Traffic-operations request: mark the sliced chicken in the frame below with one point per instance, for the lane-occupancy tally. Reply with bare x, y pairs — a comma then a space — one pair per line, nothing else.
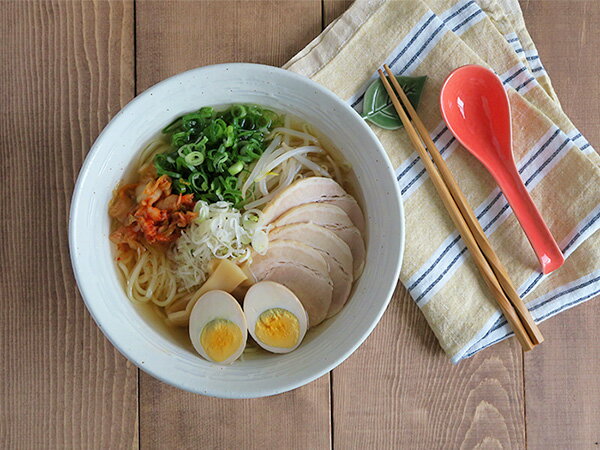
314, 190
301, 269
335, 252
334, 219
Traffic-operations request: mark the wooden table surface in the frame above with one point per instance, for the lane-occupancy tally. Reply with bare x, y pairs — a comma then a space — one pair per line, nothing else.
67, 68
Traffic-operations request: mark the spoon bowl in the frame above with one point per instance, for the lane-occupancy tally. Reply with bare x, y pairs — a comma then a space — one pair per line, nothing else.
476, 109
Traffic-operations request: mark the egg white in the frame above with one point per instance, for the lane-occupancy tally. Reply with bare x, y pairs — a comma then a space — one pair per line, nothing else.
267, 295
216, 305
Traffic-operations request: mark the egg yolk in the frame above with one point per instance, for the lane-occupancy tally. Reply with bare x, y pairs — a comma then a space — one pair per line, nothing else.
221, 338
278, 327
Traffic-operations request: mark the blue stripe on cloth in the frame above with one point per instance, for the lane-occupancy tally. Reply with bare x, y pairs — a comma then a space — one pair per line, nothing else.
458, 11
565, 292
487, 227
488, 345
439, 135
532, 285
437, 280
416, 178
542, 148
545, 163
401, 53
446, 250
412, 41
407, 168
423, 47
417, 158
581, 232
524, 84
489, 206
468, 19
565, 250
554, 297
569, 305
428, 42
558, 310
413, 181
502, 321
496, 217
514, 75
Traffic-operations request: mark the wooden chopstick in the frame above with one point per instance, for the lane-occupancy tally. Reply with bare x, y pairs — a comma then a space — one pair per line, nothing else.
469, 215
459, 221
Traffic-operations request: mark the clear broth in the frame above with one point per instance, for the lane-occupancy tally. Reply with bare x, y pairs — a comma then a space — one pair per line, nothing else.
179, 335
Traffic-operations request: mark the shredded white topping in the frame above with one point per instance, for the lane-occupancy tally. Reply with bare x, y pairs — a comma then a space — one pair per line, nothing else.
219, 231
224, 232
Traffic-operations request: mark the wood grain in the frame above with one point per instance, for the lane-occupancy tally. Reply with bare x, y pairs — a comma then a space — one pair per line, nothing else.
332, 9
66, 67
171, 418
567, 36
170, 41
179, 35
561, 378
398, 390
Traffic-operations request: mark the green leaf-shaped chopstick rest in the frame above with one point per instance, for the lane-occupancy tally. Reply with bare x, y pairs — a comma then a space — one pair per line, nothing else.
377, 107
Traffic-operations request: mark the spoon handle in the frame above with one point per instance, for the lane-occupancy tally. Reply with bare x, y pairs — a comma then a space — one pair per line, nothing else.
536, 230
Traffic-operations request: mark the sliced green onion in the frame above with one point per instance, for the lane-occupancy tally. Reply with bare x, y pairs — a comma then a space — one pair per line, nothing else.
236, 168
194, 158
210, 149
181, 186
206, 112
199, 181
238, 111
179, 139
229, 136
192, 120
185, 149
172, 126
181, 165
263, 122
162, 166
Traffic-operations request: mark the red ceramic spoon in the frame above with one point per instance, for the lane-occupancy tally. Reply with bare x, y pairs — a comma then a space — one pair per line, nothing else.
476, 109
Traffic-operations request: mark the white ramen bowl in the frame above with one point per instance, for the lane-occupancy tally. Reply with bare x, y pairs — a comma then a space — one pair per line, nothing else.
155, 348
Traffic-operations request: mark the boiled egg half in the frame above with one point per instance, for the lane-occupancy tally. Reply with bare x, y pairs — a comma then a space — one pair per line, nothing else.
276, 319
218, 327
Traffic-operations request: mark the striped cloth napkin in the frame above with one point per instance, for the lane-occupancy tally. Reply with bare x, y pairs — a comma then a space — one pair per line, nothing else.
558, 165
